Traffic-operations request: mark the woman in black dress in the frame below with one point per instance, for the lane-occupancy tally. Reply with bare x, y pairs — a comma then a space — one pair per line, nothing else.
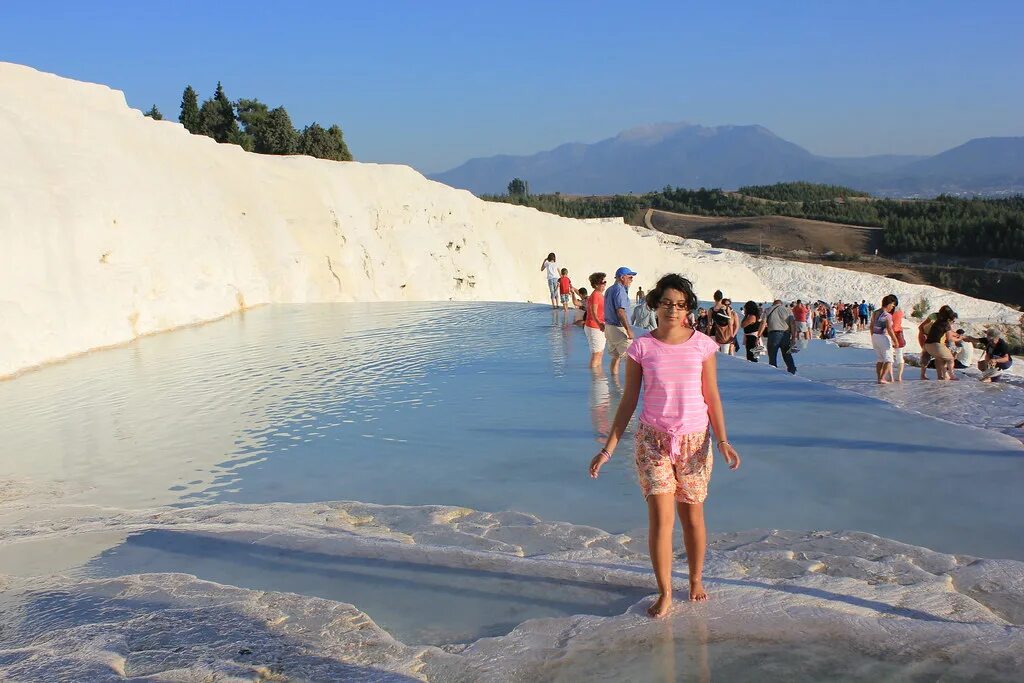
751, 329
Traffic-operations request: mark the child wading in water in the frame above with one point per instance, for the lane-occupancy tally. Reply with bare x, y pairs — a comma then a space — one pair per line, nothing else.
676, 366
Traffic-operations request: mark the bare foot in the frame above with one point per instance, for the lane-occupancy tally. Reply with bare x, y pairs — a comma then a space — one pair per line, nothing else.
883, 381
660, 607
697, 593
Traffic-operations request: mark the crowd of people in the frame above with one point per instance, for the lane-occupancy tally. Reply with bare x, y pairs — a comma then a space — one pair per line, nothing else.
777, 329
671, 344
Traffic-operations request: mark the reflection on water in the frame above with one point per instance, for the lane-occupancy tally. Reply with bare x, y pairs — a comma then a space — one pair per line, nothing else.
694, 654
417, 602
490, 406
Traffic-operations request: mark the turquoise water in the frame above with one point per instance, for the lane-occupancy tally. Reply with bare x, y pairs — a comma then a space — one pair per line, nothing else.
489, 406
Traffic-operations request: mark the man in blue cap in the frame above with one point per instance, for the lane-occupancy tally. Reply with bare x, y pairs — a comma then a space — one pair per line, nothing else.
617, 331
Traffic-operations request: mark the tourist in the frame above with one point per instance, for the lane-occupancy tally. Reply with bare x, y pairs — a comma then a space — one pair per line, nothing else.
781, 330
640, 295
901, 343
581, 315
643, 318
752, 329
883, 339
566, 290
703, 324
616, 316
676, 367
734, 325
721, 324
963, 352
935, 343
848, 318
827, 331
863, 312
997, 356
800, 316
550, 268
593, 321
922, 338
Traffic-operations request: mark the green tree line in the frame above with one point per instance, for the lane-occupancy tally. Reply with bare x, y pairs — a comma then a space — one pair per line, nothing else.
945, 225
800, 192
255, 127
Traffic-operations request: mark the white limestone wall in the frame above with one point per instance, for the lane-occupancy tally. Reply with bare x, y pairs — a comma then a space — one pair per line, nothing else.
113, 225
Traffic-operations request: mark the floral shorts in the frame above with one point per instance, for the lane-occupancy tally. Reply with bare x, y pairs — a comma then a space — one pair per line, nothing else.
687, 479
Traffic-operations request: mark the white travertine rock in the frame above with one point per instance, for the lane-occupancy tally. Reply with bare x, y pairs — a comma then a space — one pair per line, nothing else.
113, 225
882, 600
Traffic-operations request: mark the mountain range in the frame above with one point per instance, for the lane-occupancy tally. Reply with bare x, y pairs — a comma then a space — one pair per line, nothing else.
687, 155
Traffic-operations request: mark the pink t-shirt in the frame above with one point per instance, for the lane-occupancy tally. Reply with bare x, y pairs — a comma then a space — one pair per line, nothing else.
673, 392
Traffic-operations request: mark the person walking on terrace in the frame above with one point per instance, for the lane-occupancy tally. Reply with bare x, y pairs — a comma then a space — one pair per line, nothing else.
566, 291
781, 330
617, 329
883, 339
676, 367
800, 313
898, 362
753, 328
550, 268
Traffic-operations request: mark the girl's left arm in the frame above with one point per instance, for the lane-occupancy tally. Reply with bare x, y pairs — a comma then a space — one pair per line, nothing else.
709, 387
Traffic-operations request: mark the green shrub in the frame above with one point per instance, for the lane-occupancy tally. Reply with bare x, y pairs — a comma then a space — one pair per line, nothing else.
920, 309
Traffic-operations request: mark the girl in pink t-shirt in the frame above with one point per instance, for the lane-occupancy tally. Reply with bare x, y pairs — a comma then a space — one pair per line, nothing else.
676, 366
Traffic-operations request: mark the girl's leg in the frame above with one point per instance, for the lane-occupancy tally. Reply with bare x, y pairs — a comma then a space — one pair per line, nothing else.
695, 540
659, 543
878, 372
595, 359
925, 357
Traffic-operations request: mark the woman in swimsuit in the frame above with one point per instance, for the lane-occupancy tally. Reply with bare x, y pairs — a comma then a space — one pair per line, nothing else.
675, 364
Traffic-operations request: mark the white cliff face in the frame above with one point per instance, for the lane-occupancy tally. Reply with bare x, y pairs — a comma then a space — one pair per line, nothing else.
113, 226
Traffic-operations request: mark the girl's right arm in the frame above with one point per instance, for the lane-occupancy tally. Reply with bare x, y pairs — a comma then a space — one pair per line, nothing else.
627, 406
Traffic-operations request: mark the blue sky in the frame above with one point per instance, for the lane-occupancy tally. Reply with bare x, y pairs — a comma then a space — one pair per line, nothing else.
434, 83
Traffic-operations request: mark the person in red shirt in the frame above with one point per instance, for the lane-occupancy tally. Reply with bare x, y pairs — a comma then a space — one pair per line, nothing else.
566, 290
897, 327
593, 325
800, 316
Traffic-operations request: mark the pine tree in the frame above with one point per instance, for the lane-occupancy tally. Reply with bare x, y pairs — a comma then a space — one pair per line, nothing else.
324, 144
340, 149
189, 116
217, 118
154, 114
278, 136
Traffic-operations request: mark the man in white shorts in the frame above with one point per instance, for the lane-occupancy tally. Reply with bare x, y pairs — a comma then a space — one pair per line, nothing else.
616, 316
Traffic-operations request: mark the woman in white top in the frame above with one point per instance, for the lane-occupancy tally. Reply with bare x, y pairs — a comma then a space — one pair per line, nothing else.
551, 269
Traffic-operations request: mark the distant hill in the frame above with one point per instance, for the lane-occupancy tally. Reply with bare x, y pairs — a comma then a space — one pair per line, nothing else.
687, 155
983, 165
